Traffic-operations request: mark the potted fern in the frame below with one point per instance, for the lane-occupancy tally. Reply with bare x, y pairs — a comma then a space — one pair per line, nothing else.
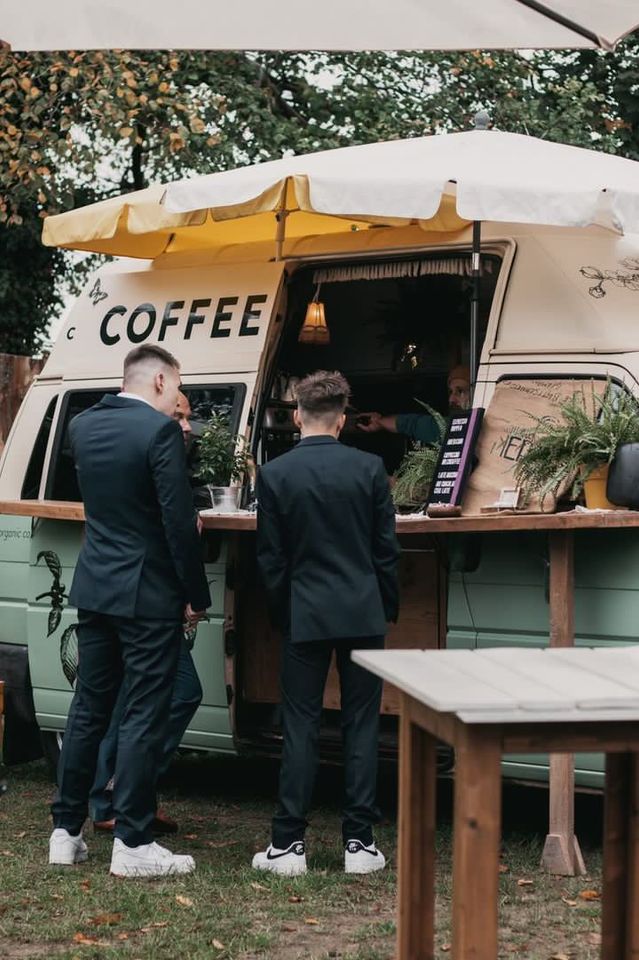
571, 455
411, 483
222, 462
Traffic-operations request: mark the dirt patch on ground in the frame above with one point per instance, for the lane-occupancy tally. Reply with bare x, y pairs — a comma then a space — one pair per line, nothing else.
335, 937
9, 950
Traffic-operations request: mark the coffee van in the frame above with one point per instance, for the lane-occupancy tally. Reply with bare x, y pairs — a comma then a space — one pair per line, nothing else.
555, 304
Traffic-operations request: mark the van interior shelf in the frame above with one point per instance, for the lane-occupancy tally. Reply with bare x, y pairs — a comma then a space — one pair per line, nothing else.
568, 520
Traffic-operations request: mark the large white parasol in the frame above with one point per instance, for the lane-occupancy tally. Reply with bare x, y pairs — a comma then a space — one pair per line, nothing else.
442, 182
307, 25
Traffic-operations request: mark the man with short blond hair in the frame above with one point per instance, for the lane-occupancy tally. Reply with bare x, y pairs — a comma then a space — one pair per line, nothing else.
139, 575
327, 553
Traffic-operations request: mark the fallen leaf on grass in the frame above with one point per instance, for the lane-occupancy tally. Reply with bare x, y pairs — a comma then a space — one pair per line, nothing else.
445, 947
84, 939
57, 896
122, 936
503, 868
312, 922
589, 894
257, 886
217, 944
524, 883
560, 956
21, 835
190, 836
7, 853
183, 901
86, 885
105, 919
218, 844
571, 903
295, 898
287, 928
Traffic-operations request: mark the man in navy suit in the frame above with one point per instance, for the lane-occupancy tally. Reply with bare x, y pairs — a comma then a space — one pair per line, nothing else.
139, 575
327, 553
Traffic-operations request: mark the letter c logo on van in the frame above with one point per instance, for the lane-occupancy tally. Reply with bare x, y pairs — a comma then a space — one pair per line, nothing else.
111, 338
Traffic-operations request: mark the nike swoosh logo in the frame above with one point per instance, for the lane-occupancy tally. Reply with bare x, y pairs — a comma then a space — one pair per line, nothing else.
284, 853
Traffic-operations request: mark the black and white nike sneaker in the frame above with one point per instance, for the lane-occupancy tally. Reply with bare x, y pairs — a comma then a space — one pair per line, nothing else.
288, 863
359, 858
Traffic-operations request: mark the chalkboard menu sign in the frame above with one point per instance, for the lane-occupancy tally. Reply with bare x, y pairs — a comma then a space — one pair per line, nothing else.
455, 458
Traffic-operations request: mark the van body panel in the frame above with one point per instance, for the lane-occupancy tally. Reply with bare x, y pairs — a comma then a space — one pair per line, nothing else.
215, 318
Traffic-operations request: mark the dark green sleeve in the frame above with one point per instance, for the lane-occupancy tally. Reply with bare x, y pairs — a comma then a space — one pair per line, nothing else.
417, 426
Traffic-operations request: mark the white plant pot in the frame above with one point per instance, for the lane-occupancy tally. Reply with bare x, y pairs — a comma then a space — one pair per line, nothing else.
225, 499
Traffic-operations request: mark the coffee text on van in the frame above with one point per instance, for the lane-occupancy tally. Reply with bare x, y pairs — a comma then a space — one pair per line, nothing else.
146, 320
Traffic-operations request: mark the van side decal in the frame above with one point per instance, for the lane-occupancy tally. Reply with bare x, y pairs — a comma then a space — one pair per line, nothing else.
57, 591
629, 281
224, 321
96, 293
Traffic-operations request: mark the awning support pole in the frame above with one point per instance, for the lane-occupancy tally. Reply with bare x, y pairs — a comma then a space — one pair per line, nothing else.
281, 216
474, 304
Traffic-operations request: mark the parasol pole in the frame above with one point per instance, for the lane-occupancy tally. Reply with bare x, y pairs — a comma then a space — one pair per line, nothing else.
482, 121
281, 216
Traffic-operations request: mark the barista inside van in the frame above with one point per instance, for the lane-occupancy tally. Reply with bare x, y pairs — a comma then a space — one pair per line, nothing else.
421, 426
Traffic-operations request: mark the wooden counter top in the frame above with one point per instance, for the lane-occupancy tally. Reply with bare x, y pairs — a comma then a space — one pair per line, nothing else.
569, 520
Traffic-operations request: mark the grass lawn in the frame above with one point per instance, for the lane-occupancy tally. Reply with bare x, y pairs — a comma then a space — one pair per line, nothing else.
226, 911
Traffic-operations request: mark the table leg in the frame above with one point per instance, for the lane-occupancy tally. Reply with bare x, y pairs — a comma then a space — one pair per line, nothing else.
416, 866
476, 840
620, 909
562, 854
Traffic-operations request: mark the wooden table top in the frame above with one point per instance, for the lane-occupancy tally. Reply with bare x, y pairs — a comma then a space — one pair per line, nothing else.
516, 684
569, 520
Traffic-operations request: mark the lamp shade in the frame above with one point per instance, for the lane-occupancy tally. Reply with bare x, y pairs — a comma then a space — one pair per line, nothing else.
315, 329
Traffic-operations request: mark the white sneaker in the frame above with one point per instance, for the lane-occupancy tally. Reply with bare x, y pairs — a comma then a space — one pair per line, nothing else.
148, 860
64, 849
289, 863
361, 859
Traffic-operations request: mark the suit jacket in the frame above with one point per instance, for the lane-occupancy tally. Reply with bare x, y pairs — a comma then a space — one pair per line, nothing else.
326, 544
141, 555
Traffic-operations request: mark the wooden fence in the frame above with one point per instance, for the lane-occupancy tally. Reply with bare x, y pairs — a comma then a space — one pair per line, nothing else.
16, 374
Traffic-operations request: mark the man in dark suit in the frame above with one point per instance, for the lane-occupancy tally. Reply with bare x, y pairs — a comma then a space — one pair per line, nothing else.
139, 574
327, 552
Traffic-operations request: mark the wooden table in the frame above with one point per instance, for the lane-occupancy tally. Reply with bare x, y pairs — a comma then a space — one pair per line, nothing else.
561, 850
486, 703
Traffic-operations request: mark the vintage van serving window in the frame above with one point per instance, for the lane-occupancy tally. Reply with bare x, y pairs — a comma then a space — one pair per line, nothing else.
396, 327
62, 483
33, 476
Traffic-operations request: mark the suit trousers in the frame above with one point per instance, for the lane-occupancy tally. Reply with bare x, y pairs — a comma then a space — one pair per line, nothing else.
112, 650
185, 699
304, 671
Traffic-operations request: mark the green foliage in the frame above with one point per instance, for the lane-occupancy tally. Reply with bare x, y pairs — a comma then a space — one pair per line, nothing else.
29, 293
564, 452
222, 457
415, 473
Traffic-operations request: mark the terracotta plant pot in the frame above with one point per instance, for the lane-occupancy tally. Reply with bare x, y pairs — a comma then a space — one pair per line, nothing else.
595, 491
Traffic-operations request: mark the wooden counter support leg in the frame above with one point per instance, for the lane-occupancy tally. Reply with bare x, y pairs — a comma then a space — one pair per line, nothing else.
476, 840
620, 912
562, 854
416, 866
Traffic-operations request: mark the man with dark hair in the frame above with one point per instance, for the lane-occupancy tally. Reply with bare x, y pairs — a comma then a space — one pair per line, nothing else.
139, 576
327, 552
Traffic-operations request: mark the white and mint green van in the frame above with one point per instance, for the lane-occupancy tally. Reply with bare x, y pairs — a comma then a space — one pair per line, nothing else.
555, 303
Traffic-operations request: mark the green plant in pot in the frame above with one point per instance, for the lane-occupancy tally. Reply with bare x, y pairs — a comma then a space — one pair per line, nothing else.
415, 473
222, 461
573, 452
